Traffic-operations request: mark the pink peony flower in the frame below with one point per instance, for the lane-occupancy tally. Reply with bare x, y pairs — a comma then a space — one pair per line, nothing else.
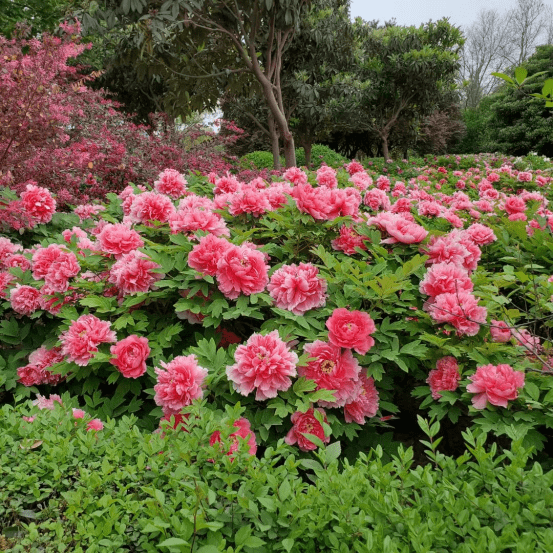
206, 254
377, 199
81, 340
95, 424
150, 206
130, 356
25, 300
119, 239
31, 375
326, 176
445, 278
297, 288
332, 369
364, 401
515, 204
306, 423
242, 269
36, 373
354, 167
189, 221
481, 234
295, 176
171, 182
244, 431
134, 272
38, 203
226, 185
249, 199
500, 331
179, 384
351, 329
17, 260
524, 176
361, 180
83, 241
497, 384
348, 241
78, 413
460, 310
264, 364
445, 377
56, 266
42, 403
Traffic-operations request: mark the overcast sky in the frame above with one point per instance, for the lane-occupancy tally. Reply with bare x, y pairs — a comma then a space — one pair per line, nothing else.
414, 12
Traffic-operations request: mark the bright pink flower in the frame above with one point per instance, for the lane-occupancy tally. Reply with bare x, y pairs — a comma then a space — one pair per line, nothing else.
497, 384
226, 185
249, 199
171, 182
134, 272
518, 217
443, 278
87, 211
348, 241
244, 431
298, 288
179, 384
95, 424
445, 377
119, 239
460, 310
383, 183
6, 279
42, 403
354, 167
515, 204
351, 329
377, 199
7, 248
17, 260
150, 206
295, 175
130, 356
404, 232
364, 401
242, 269
332, 369
264, 364
361, 180
38, 203
326, 176
31, 375
206, 254
25, 299
524, 176
500, 331
188, 221
306, 423
325, 204
56, 266
81, 340
78, 413
83, 241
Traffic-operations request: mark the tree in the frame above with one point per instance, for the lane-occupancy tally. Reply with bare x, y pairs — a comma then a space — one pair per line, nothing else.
403, 75
236, 38
522, 123
42, 15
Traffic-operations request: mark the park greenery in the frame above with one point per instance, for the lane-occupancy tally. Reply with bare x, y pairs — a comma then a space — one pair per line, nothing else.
324, 325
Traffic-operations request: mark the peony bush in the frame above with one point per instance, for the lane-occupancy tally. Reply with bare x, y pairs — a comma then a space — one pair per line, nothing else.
329, 305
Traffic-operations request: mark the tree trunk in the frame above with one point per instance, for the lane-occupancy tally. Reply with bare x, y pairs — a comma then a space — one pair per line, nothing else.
307, 149
275, 148
406, 154
289, 150
385, 152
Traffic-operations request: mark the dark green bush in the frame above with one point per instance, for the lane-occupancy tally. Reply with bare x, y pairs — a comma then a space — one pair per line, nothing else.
119, 489
260, 160
321, 154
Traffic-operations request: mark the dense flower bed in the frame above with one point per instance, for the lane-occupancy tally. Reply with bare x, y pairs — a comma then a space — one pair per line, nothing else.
326, 303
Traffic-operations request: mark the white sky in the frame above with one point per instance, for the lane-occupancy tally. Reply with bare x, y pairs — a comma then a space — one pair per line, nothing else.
414, 12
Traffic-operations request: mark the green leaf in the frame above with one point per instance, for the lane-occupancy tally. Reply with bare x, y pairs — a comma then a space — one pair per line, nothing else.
242, 535
332, 452
172, 542
547, 89
504, 77
312, 438
520, 74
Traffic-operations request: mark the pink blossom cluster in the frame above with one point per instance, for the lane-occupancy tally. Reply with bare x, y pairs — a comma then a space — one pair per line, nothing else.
36, 372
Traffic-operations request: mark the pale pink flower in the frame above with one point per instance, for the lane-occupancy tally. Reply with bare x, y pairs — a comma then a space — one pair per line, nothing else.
95, 424
497, 384
87, 211
119, 239
515, 204
297, 288
377, 199
242, 269
333, 368
6, 280
249, 199
179, 383
226, 185
445, 377
361, 180
264, 364
56, 266
481, 234
81, 340
363, 402
7, 248
83, 241
306, 423
42, 403
189, 221
171, 182
326, 176
78, 413
38, 203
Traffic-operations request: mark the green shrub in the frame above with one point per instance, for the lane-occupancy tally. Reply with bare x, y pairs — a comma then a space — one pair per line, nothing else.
260, 160
320, 154
119, 489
